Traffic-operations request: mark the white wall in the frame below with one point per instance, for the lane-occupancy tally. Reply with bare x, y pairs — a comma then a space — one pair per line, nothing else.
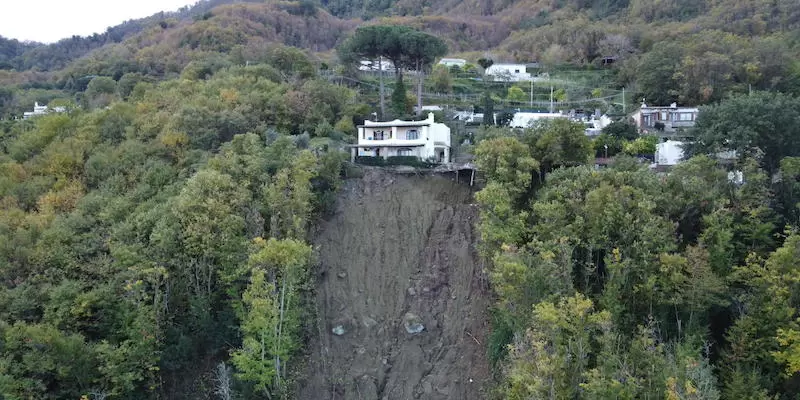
426, 142
502, 72
524, 120
669, 152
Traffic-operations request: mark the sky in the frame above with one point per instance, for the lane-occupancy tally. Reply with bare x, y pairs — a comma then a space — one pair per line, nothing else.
48, 21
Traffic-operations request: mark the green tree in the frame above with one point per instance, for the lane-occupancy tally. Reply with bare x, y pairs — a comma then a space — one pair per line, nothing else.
420, 50
506, 161
558, 143
271, 320
622, 130
552, 358
399, 99
759, 126
487, 103
516, 95
655, 74
39, 361
485, 63
442, 80
101, 91
289, 197
644, 145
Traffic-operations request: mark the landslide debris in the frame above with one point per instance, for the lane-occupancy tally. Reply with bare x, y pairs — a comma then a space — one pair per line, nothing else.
401, 297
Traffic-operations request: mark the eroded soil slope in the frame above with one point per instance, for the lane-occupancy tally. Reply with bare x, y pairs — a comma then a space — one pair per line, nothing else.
399, 252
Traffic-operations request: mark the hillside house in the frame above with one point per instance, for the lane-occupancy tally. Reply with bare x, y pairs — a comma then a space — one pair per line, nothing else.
670, 153
508, 72
527, 119
370, 65
453, 62
426, 140
41, 110
667, 119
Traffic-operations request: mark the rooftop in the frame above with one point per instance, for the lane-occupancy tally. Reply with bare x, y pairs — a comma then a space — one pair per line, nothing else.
399, 123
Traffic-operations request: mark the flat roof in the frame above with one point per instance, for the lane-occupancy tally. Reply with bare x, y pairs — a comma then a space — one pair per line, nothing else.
385, 145
389, 125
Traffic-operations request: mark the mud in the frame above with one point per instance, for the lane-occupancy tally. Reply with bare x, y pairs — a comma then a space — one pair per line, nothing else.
399, 251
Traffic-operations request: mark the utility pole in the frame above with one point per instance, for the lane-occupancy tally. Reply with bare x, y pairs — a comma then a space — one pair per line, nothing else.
551, 99
623, 99
531, 93
380, 74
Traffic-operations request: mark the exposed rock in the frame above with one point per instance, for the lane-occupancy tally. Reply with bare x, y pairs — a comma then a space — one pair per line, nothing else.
369, 322
413, 323
393, 241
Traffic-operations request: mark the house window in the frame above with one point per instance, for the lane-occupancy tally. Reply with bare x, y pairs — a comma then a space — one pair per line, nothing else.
412, 134
663, 115
516, 71
404, 152
686, 116
380, 135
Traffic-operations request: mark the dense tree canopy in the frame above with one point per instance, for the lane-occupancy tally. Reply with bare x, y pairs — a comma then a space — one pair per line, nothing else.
143, 240
763, 125
620, 283
158, 226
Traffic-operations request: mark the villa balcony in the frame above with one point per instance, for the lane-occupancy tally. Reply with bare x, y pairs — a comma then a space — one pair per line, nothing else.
394, 142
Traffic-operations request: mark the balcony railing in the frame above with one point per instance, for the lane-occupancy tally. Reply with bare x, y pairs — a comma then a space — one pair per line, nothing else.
378, 142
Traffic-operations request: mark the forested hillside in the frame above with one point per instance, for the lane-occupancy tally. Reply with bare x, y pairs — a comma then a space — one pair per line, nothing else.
623, 283
138, 238
691, 52
153, 236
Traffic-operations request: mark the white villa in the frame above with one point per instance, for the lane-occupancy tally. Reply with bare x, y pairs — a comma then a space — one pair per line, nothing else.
508, 72
427, 140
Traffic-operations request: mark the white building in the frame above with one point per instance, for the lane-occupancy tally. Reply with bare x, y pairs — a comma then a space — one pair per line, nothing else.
451, 62
429, 108
669, 153
470, 117
369, 65
664, 118
42, 110
526, 120
508, 72
426, 140
594, 126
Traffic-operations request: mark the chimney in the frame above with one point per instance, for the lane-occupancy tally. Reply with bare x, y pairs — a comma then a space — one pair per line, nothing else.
430, 117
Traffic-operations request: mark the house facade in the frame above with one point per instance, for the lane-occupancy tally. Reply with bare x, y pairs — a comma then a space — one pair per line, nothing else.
426, 140
668, 119
669, 153
508, 72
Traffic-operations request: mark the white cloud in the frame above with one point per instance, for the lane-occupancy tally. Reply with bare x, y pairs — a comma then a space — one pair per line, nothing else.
50, 20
